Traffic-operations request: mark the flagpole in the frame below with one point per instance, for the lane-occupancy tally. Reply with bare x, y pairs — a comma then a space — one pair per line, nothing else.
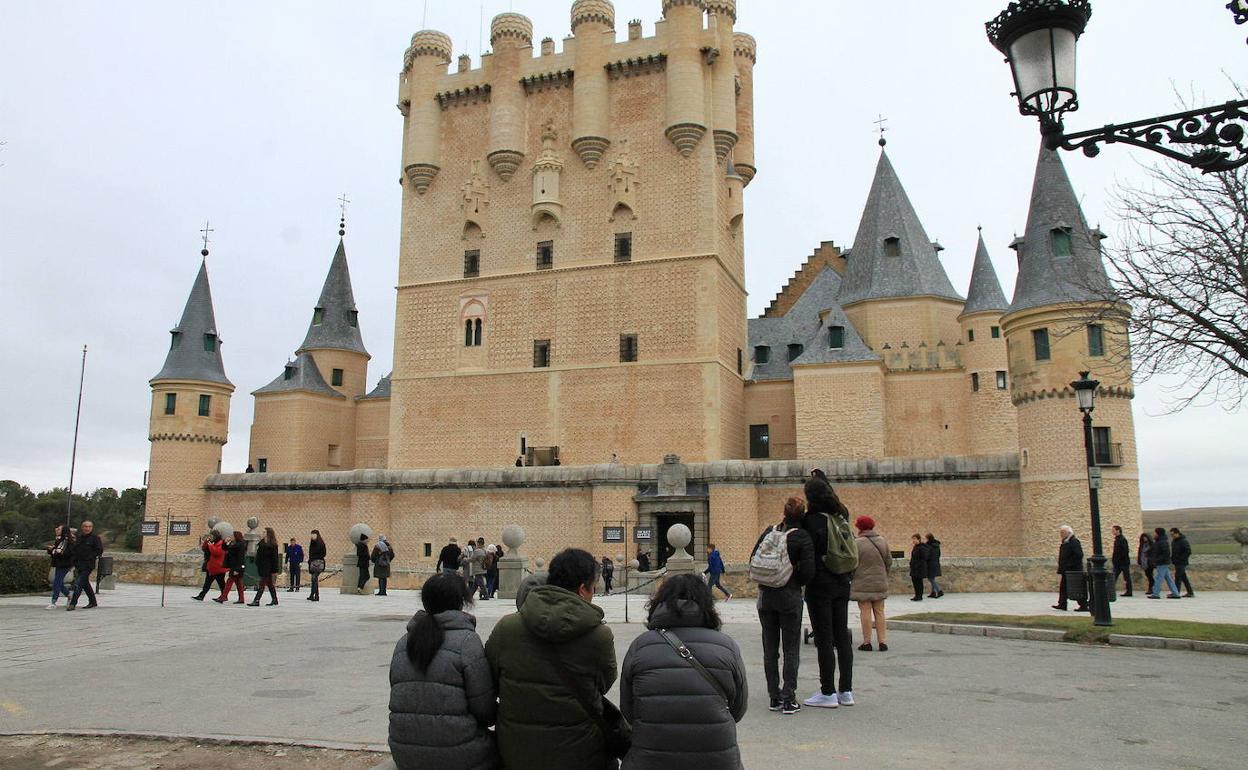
73, 458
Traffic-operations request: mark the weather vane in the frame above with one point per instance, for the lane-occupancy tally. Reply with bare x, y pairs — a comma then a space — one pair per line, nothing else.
206, 231
342, 207
880, 127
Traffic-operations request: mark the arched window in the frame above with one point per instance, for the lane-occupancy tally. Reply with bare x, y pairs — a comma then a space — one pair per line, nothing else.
476, 332
468, 333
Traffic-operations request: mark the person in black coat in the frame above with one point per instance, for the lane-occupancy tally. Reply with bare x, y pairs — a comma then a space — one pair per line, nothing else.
827, 599
780, 609
448, 558
1181, 556
361, 560
268, 564
933, 566
236, 563
87, 549
1069, 559
316, 563
918, 565
1121, 558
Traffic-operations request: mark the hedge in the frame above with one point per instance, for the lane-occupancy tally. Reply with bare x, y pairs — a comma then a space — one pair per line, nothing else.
22, 574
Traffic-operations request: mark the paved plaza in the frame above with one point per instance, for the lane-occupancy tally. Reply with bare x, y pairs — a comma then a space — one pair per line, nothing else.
317, 673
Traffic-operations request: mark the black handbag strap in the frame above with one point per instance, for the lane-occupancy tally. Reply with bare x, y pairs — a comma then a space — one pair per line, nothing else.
687, 654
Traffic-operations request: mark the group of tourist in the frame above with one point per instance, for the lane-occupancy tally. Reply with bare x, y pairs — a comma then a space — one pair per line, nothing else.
476, 564
925, 565
225, 565
1156, 553
80, 553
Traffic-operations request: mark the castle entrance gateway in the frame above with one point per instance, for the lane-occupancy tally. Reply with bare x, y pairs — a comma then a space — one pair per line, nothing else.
670, 501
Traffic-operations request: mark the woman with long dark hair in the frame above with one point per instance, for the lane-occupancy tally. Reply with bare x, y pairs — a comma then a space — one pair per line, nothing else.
827, 596
1144, 558
236, 565
442, 696
316, 563
62, 555
268, 564
780, 607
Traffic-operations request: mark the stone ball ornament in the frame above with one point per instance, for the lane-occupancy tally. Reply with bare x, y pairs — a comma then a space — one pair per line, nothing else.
359, 529
539, 563
1241, 535
679, 536
513, 537
252, 522
213, 521
224, 529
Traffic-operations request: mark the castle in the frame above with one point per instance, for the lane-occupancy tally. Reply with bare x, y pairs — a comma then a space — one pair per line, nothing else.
571, 289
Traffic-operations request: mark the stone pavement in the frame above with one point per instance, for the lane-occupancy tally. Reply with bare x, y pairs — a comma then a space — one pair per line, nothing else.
317, 672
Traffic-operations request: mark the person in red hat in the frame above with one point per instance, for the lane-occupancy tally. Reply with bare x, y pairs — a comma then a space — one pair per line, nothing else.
870, 586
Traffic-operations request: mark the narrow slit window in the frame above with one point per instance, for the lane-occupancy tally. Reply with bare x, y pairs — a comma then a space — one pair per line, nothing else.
545, 255
541, 354
1096, 340
476, 333
205, 405
623, 247
468, 333
336, 378
974, 382
1002, 382
740, 363
970, 335
628, 348
1040, 340
171, 403
472, 264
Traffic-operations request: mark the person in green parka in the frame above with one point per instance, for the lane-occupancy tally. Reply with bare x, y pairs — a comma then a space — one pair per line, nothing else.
542, 724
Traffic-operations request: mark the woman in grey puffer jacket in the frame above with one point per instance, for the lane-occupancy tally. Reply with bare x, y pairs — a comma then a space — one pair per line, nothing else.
442, 696
679, 719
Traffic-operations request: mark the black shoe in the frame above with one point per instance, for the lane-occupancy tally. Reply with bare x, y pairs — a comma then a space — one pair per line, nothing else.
865, 647
790, 707
1059, 607
883, 647
939, 594
198, 597
1189, 596
932, 596
250, 604
775, 705
70, 608
1128, 593
290, 590
219, 600
916, 598
1171, 596
315, 598
93, 605
272, 603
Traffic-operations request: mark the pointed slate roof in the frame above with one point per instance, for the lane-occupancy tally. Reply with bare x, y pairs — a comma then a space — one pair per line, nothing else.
337, 303
188, 359
1043, 277
916, 271
304, 376
381, 391
985, 293
802, 326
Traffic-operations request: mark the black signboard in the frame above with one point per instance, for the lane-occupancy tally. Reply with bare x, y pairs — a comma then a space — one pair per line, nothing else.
179, 528
643, 534
613, 534
149, 528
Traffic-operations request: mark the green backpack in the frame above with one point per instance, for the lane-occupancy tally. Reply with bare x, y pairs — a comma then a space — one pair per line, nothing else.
842, 555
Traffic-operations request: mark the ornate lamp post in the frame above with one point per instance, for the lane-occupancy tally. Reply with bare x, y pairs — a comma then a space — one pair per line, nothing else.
1085, 392
1039, 39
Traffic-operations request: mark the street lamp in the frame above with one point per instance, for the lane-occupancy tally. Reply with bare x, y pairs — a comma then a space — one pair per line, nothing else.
1085, 393
1039, 39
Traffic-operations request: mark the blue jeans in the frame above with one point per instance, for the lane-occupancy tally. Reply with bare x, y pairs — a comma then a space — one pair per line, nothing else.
58, 583
1161, 573
712, 581
935, 588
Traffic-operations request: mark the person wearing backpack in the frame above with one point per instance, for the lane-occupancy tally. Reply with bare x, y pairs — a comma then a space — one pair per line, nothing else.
827, 594
783, 560
383, 555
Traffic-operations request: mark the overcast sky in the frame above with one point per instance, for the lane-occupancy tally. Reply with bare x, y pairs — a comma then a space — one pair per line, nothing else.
128, 124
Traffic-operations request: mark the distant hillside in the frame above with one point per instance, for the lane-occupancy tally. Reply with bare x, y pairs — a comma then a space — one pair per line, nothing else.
1203, 526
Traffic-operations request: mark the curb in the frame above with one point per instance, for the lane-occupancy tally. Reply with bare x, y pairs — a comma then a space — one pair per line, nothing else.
1054, 635
218, 740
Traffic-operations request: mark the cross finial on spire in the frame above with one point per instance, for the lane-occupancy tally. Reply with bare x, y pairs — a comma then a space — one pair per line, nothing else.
342, 221
880, 128
205, 232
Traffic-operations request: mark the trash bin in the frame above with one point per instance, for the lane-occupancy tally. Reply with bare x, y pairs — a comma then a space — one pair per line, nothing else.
104, 578
1077, 587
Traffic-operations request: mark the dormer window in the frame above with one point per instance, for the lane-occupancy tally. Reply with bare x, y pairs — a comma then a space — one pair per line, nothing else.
1062, 244
210, 343
836, 337
353, 318
175, 341
289, 374
892, 247
762, 354
795, 350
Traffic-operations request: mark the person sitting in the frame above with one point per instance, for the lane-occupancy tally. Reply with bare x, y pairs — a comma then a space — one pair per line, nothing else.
683, 716
442, 697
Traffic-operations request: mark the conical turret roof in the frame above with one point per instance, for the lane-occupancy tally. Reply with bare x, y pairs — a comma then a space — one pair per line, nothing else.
1046, 274
190, 356
892, 255
301, 374
985, 293
335, 325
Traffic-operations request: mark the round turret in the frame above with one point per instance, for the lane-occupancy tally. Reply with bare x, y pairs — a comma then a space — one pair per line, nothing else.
513, 25
428, 42
745, 45
601, 11
670, 4
723, 7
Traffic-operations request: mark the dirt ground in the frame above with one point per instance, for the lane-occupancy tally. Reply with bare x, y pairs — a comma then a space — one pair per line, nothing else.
77, 753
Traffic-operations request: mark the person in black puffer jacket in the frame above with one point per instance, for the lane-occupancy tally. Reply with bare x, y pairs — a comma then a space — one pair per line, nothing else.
827, 599
316, 563
918, 565
268, 564
780, 610
442, 695
236, 563
680, 720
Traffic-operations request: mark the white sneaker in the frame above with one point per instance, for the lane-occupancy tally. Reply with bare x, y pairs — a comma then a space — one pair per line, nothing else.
50, 607
821, 701
846, 698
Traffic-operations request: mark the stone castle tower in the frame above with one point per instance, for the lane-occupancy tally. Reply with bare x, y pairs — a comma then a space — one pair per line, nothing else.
571, 270
1059, 325
190, 414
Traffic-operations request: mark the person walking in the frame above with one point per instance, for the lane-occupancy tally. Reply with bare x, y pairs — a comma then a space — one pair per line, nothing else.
608, 573
476, 568
268, 564
1144, 558
361, 561
294, 565
870, 586
827, 596
1180, 557
780, 607
316, 564
683, 665
236, 566
553, 661
1161, 558
442, 696
918, 565
1069, 559
448, 558
492, 554
213, 547
62, 556
715, 570
383, 556
933, 566
86, 550
1121, 558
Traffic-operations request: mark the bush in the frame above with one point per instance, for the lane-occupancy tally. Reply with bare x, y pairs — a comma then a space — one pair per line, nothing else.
23, 574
